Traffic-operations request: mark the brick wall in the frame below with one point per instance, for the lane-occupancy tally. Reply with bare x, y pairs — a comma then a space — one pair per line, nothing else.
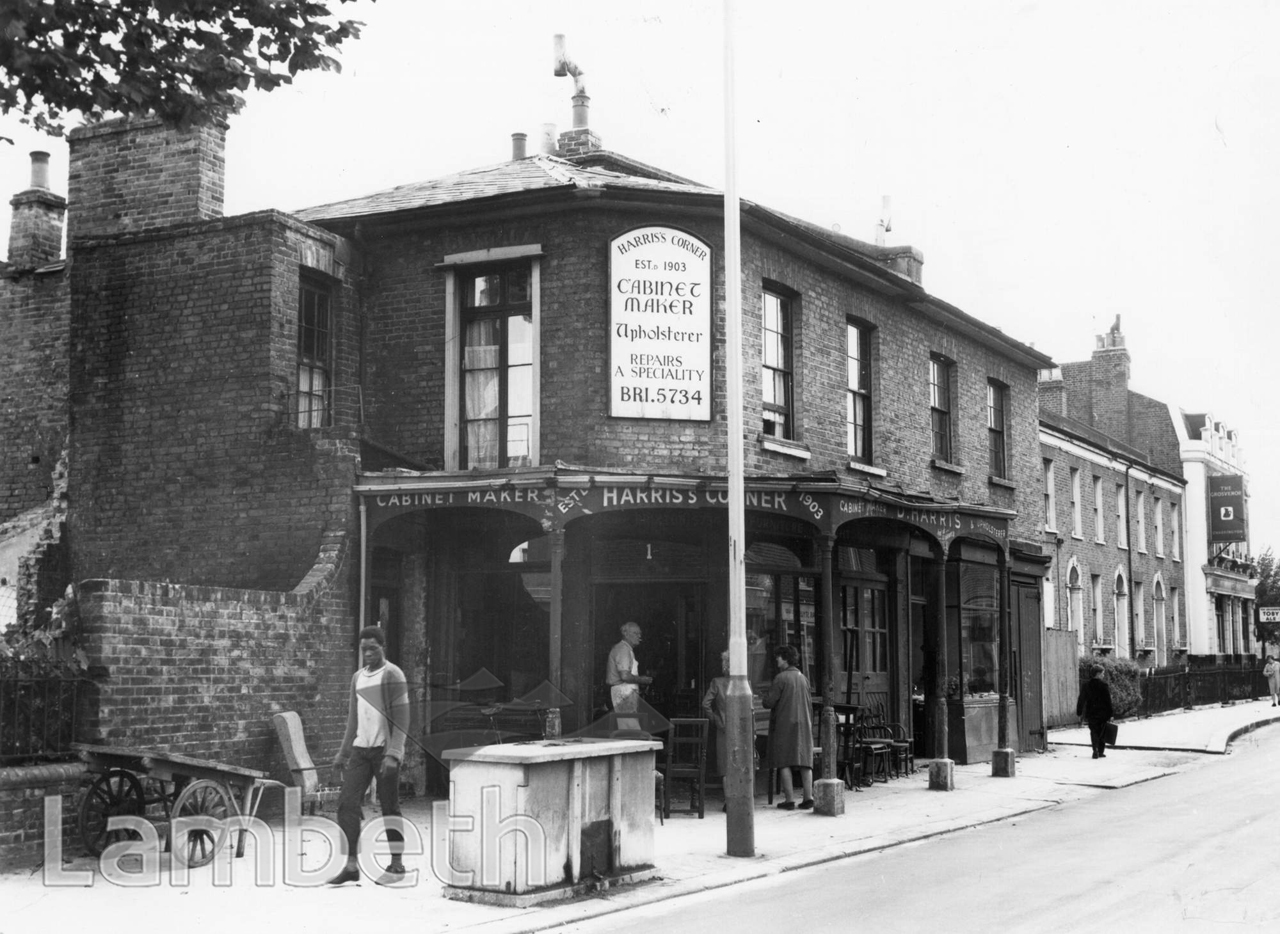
1089, 556
34, 321
186, 463
130, 174
404, 304
200, 670
22, 793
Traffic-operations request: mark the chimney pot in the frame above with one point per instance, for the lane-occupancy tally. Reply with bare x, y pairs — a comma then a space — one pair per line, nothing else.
40, 169
518, 145
580, 102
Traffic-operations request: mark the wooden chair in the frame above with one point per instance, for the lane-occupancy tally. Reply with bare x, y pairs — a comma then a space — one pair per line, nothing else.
686, 760
873, 753
305, 774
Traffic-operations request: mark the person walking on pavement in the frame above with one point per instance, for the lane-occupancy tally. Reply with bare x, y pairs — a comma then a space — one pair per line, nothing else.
373, 746
790, 727
1094, 704
622, 675
1272, 672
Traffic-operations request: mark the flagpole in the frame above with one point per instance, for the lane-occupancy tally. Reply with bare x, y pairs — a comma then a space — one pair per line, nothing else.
739, 778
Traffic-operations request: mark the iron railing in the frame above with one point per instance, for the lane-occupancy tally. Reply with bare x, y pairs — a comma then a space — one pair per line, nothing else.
1166, 689
38, 716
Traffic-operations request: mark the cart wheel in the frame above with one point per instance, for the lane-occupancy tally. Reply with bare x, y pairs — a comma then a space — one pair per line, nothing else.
210, 799
112, 793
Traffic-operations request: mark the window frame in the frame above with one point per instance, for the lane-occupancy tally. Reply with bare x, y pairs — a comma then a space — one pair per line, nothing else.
455, 268
1050, 497
1140, 520
1122, 517
858, 434
1077, 519
1157, 509
786, 366
311, 365
504, 311
941, 407
1099, 512
997, 428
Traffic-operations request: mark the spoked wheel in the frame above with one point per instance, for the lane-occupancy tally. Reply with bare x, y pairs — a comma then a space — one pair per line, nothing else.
204, 798
112, 793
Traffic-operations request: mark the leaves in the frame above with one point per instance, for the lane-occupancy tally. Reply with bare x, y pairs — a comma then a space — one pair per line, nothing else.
181, 60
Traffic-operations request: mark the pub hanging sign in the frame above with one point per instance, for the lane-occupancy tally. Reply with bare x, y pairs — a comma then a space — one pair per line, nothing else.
659, 325
1227, 509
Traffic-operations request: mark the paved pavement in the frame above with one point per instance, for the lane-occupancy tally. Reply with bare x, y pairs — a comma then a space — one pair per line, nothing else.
689, 852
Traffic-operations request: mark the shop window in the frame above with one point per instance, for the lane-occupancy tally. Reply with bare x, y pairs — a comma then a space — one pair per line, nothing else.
940, 372
497, 367
858, 398
979, 627
997, 399
315, 340
781, 610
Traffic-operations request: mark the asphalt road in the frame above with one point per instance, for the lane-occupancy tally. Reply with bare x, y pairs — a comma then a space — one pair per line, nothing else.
1196, 851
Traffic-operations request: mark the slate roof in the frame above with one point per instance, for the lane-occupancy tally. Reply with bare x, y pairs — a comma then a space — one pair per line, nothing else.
534, 173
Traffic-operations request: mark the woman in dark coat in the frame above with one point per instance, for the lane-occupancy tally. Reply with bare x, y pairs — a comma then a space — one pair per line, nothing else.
1094, 705
790, 729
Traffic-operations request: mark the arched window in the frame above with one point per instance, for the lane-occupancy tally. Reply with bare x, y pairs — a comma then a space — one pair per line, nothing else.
1158, 620
1075, 600
1121, 607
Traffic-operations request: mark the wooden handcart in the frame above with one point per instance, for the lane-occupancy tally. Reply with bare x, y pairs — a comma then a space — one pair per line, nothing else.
162, 786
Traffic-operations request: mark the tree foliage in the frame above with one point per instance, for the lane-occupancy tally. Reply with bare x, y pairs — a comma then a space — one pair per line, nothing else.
1268, 594
184, 61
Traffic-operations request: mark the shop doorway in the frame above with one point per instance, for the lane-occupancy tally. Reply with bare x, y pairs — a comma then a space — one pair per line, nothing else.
672, 648
867, 647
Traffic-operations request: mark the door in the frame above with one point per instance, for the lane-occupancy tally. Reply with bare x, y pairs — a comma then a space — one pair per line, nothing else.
1026, 676
864, 609
671, 651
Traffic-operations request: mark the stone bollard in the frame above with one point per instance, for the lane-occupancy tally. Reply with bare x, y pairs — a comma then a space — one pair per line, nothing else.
828, 797
1004, 763
942, 775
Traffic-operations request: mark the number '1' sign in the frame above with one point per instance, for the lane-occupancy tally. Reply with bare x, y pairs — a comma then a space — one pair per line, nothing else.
659, 325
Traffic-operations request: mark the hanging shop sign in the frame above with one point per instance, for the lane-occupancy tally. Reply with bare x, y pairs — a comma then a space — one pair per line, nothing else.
660, 325
1226, 509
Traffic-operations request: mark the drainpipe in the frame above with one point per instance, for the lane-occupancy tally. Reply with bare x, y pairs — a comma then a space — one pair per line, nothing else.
1128, 537
364, 560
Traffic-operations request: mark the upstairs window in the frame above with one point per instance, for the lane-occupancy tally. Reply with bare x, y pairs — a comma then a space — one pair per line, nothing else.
497, 367
1140, 520
1157, 507
997, 398
1076, 526
1099, 526
315, 341
1050, 499
775, 372
1122, 517
858, 407
940, 406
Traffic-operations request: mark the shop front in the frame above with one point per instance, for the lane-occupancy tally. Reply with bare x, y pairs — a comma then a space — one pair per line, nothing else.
504, 596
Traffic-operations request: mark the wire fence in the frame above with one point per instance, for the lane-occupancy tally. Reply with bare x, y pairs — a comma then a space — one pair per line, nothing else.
8, 607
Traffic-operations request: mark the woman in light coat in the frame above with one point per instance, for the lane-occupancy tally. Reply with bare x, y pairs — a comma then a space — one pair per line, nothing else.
1272, 671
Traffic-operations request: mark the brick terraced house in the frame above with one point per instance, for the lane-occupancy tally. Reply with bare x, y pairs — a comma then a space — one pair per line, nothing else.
488, 413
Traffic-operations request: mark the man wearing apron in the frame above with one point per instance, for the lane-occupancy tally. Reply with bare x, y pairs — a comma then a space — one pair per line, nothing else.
623, 677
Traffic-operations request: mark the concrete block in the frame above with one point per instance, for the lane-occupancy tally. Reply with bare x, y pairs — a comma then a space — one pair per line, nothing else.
942, 775
828, 797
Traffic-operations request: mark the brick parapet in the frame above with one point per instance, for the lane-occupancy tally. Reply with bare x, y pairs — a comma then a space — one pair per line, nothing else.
23, 790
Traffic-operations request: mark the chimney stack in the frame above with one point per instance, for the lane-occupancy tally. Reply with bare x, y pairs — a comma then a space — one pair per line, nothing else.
580, 139
518, 141
132, 174
35, 232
